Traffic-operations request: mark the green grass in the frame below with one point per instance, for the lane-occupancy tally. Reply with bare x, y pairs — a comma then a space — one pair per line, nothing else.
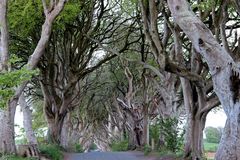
210, 147
12, 157
52, 151
119, 146
147, 149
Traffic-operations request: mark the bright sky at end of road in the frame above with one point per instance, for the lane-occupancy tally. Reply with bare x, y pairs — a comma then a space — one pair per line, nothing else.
18, 119
216, 119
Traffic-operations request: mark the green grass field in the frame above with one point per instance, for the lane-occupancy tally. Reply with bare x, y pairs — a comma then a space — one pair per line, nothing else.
210, 147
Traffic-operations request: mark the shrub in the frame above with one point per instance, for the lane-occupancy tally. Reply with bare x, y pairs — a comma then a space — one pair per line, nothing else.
120, 146
213, 135
147, 149
51, 151
93, 146
172, 136
78, 148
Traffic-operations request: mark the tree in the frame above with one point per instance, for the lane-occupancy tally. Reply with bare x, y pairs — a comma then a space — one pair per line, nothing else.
7, 143
213, 135
74, 52
174, 55
223, 69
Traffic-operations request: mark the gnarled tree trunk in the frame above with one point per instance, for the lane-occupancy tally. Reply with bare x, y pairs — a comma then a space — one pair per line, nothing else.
27, 121
55, 125
229, 147
7, 132
64, 140
56, 107
7, 143
7, 137
225, 74
195, 122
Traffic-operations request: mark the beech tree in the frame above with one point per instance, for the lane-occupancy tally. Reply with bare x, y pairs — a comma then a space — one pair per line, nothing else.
224, 70
51, 11
7, 143
73, 53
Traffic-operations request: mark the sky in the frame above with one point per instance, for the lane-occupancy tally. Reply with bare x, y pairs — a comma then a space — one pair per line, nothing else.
18, 119
216, 119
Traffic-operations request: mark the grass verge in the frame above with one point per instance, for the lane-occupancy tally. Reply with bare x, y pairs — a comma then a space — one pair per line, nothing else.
51, 151
210, 147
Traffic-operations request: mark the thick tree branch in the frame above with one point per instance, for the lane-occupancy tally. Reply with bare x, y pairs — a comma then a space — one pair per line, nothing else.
45, 35
212, 103
201, 37
39, 50
45, 10
4, 56
150, 17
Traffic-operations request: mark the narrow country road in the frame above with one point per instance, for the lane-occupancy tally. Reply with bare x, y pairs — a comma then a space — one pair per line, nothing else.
107, 156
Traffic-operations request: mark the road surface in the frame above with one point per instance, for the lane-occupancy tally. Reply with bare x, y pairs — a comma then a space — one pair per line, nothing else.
106, 156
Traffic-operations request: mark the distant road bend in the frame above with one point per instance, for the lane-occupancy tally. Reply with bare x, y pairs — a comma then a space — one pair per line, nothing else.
106, 156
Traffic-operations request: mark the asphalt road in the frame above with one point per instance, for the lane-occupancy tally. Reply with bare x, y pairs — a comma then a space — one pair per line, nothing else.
106, 156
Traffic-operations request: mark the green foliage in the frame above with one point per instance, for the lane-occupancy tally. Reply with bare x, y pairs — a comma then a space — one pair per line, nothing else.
78, 148
69, 14
25, 16
210, 147
129, 6
120, 146
21, 141
10, 80
170, 130
51, 151
147, 149
13, 157
154, 131
171, 133
93, 146
20, 137
205, 5
39, 123
213, 135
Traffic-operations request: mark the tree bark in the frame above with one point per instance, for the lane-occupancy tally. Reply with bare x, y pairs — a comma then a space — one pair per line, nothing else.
222, 68
7, 141
229, 147
195, 122
145, 112
145, 135
64, 140
56, 109
55, 129
4, 56
194, 139
27, 120
132, 140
